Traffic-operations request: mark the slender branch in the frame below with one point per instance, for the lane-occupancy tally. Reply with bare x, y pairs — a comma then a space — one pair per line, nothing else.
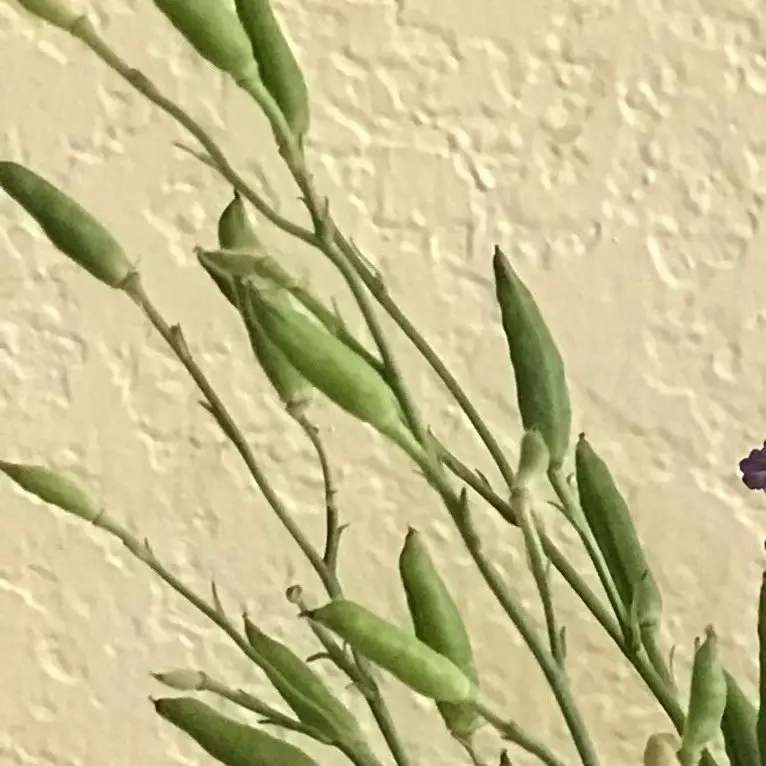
521, 501
512, 732
333, 526
174, 338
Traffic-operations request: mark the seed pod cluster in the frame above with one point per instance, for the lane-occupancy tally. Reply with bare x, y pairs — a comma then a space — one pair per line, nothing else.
228, 741
739, 726
212, 28
707, 699
541, 385
279, 69
438, 624
609, 518
51, 487
302, 689
403, 655
71, 228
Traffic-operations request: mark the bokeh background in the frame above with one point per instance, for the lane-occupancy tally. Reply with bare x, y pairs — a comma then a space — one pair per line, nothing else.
614, 149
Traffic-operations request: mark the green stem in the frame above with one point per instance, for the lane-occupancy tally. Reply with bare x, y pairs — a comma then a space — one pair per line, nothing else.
512, 732
177, 343
520, 502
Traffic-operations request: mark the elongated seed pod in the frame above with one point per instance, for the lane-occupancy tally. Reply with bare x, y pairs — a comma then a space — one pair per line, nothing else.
707, 699
438, 624
55, 12
541, 385
739, 726
302, 689
278, 67
403, 655
51, 487
331, 367
71, 228
661, 750
609, 518
235, 229
212, 28
761, 721
291, 387
228, 741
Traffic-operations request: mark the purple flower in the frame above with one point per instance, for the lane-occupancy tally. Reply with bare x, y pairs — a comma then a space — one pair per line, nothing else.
753, 469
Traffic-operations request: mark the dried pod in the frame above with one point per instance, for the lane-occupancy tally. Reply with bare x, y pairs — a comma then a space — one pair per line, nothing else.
707, 699
51, 487
541, 385
228, 741
302, 689
182, 680
214, 31
279, 69
403, 655
438, 624
71, 228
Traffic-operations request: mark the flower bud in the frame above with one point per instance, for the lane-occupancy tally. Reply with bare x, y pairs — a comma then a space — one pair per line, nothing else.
182, 680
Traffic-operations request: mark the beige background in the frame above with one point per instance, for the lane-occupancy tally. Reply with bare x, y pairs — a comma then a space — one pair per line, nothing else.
614, 149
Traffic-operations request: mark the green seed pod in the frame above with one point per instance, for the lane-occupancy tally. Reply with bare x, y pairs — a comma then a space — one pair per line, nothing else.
438, 624
302, 689
291, 387
541, 385
707, 699
761, 721
739, 726
235, 229
332, 367
533, 458
661, 750
71, 228
53, 11
212, 28
278, 67
403, 655
51, 487
609, 518
228, 741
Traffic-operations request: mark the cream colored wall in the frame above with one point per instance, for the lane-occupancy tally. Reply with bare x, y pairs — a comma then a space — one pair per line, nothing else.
615, 150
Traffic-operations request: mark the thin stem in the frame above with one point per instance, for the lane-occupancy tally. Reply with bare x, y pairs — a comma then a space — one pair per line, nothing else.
577, 520
174, 338
177, 343
243, 699
552, 671
651, 644
86, 32
512, 732
333, 527
521, 501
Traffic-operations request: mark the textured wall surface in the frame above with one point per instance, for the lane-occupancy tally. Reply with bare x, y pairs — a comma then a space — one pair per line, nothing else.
615, 150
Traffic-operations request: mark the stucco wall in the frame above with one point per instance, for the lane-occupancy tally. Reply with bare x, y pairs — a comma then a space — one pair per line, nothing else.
614, 149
